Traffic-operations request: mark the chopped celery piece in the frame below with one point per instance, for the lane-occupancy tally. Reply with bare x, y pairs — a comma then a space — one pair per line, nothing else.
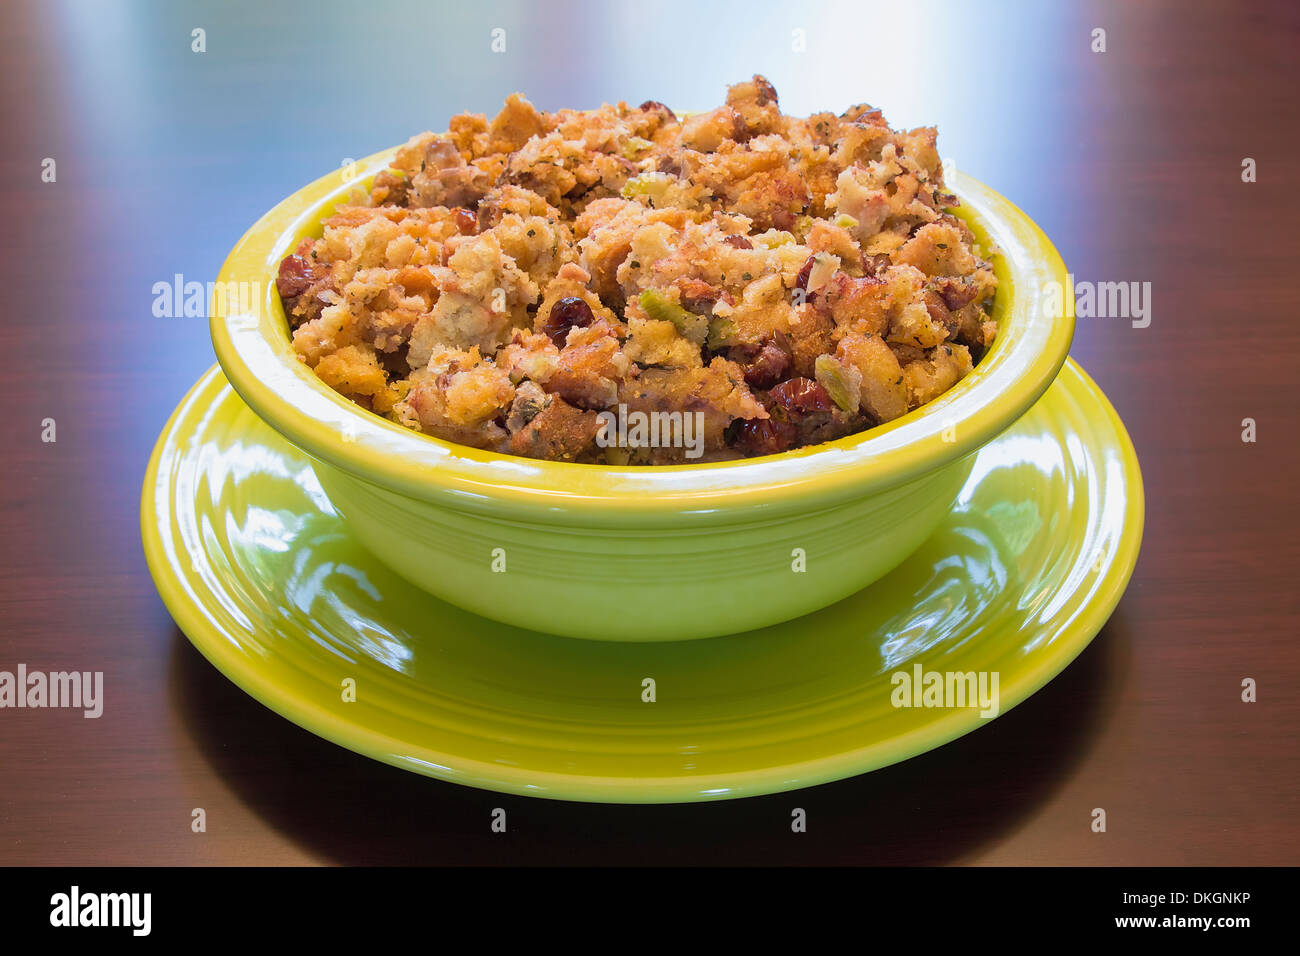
662, 309
722, 333
773, 239
841, 387
634, 146
651, 185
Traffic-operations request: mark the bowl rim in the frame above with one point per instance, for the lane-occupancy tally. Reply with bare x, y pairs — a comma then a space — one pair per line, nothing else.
251, 340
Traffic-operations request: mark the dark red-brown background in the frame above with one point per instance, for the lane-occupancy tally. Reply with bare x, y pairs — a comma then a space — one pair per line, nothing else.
1130, 160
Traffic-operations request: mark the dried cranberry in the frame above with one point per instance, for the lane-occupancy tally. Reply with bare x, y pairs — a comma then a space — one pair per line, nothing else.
569, 312
295, 277
656, 106
699, 297
738, 242
875, 264
956, 291
784, 219
770, 366
801, 280
938, 309
761, 436
801, 396
466, 222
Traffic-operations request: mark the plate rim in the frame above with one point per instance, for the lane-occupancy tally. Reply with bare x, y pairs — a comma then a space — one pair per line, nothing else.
207, 638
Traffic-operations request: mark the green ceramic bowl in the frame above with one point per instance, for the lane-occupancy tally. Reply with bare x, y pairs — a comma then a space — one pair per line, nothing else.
639, 554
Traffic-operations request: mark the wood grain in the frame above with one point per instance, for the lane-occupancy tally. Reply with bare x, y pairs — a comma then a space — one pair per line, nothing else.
1131, 161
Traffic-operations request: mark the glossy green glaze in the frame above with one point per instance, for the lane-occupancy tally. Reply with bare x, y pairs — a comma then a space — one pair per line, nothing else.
645, 584
279, 593
642, 554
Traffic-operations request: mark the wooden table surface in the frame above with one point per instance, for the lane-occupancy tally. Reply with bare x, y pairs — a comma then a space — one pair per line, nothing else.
1130, 159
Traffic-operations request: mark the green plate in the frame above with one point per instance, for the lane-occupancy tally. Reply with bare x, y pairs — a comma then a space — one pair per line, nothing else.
271, 587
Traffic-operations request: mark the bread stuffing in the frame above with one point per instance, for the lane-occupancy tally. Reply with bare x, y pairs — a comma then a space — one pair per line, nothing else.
528, 284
